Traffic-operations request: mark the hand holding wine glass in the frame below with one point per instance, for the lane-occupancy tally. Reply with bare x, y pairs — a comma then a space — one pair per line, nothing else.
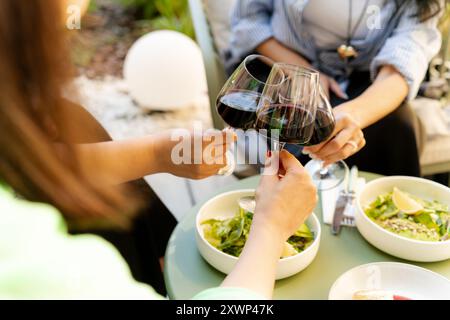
346, 139
293, 196
212, 153
282, 205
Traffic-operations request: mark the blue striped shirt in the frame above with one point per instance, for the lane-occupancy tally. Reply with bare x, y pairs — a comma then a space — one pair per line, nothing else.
409, 47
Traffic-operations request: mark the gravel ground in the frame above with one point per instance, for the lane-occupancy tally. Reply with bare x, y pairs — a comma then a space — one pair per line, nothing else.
108, 100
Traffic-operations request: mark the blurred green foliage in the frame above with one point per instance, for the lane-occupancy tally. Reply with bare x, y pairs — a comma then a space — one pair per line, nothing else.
445, 20
163, 14
445, 29
92, 6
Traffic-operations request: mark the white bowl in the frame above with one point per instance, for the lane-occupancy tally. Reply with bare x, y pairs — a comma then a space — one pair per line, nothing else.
392, 243
399, 278
225, 205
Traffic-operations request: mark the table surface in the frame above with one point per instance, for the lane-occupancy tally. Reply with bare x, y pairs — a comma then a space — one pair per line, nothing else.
187, 273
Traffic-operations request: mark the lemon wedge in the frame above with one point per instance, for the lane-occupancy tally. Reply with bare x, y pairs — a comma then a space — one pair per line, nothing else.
288, 250
404, 202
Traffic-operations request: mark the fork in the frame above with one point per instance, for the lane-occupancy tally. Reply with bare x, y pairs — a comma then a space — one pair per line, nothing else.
348, 221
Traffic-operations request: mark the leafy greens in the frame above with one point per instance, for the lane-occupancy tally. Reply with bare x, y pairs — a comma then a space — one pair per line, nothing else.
432, 223
230, 235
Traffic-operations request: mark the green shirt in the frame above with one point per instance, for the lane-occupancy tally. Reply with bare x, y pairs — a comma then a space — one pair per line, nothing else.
40, 260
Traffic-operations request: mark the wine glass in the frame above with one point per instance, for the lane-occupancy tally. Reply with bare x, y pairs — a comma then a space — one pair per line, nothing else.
286, 111
331, 176
239, 97
237, 101
298, 112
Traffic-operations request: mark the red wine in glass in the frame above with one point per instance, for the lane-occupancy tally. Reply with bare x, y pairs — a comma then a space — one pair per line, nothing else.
238, 108
323, 128
294, 124
238, 99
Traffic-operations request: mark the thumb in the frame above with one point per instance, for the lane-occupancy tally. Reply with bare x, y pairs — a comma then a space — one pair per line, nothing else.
270, 173
336, 88
289, 162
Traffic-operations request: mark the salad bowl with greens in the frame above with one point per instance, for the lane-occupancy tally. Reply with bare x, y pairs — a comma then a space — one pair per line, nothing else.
223, 227
406, 217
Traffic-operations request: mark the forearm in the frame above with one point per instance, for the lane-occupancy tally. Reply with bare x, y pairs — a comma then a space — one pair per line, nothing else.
116, 162
276, 51
386, 94
257, 264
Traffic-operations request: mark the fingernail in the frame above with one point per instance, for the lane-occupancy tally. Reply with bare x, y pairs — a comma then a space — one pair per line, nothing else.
345, 96
305, 151
268, 161
313, 156
269, 154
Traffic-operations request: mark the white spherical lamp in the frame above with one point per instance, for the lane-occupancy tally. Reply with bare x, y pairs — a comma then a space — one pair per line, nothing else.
164, 71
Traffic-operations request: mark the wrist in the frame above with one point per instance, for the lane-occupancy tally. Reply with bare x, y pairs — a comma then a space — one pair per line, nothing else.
266, 235
160, 154
351, 109
278, 52
265, 228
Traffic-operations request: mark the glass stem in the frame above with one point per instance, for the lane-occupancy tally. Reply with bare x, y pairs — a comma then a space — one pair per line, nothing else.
323, 172
277, 145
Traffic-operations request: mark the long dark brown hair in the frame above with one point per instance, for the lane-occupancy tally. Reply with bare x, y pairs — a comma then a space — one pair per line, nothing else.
34, 71
427, 9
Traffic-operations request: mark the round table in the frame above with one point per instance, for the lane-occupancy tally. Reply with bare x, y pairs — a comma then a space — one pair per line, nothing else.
187, 273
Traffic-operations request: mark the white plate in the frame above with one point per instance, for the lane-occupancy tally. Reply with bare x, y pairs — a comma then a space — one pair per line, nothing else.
402, 279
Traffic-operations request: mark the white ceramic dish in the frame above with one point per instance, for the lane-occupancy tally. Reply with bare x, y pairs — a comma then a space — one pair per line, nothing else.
399, 278
392, 243
225, 205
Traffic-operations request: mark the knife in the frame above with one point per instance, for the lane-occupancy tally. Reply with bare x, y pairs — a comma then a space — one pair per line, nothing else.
341, 204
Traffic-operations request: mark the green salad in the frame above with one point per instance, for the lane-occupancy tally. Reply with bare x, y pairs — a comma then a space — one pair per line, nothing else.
230, 235
410, 216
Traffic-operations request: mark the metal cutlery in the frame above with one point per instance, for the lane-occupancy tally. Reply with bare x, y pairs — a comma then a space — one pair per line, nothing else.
346, 198
348, 221
352, 185
341, 204
247, 203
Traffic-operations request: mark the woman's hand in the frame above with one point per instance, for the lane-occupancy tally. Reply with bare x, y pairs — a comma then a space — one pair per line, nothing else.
193, 155
346, 139
330, 85
284, 203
